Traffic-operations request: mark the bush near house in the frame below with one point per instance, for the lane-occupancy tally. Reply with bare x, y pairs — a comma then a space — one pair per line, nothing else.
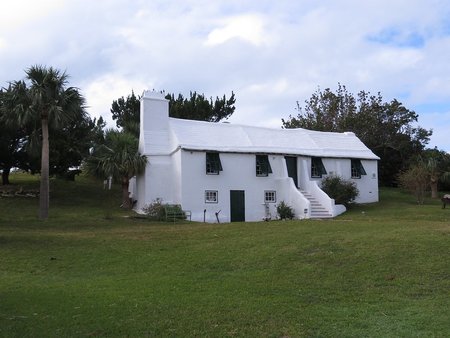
284, 211
341, 190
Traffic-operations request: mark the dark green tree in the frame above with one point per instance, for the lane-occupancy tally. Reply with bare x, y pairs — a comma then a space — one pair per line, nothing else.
117, 157
437, 163
197, 107
12, 143
69, 145
43, 100
387, 128
126, 111
324, 111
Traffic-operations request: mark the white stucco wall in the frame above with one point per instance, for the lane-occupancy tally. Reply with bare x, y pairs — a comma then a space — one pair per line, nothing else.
180, 178
238, 174
367, 184
157, 182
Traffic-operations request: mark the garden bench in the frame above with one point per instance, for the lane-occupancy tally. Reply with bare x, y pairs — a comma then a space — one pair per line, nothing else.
174, 212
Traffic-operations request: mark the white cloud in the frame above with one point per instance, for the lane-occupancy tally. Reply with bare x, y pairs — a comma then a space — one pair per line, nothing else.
247, 27
102, 91
440, 123
271, 53
15, 13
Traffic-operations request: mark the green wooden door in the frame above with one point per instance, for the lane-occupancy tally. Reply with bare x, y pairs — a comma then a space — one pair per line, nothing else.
291, 163
237, 205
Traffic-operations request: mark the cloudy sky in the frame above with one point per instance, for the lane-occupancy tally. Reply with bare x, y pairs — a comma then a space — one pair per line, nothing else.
270, 53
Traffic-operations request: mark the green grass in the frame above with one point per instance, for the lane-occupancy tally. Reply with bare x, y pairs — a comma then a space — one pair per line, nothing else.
378, 270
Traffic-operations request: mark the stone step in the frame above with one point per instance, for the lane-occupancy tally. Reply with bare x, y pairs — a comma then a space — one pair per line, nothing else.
317, 209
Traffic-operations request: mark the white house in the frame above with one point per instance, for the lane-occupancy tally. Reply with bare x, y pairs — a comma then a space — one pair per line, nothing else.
242, 172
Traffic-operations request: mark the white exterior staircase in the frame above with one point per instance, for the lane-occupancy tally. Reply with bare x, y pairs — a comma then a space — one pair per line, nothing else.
317, 209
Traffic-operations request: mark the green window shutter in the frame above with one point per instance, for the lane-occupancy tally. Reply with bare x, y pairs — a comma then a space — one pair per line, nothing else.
213, 164
317, 167
361, 168
357, 168
323, 171
263, 167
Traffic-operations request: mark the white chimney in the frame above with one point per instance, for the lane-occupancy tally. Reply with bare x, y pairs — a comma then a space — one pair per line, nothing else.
154, 124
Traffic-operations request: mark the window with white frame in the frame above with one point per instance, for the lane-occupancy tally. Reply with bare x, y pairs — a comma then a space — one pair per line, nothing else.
211, 196
270, 196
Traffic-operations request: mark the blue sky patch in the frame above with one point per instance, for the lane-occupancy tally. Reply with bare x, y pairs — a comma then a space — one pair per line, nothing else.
432, 107
395, 37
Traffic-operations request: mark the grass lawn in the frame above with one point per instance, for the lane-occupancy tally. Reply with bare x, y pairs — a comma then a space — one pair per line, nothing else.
378, 270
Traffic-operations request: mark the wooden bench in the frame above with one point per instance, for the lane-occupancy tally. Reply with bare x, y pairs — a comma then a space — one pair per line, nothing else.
174, 212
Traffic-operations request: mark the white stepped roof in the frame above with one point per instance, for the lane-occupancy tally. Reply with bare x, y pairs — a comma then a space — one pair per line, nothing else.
226, 137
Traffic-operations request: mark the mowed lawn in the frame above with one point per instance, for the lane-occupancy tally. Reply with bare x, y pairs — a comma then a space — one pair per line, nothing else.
89, 271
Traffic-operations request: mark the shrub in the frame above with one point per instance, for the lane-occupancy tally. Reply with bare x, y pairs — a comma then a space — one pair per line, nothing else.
416, 180
341, 190
155, 210
285, 211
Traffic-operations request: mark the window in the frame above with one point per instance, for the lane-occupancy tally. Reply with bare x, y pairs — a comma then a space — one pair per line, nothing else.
270, 196
213, 165
263, 165
357, 169
211, 196
317, 167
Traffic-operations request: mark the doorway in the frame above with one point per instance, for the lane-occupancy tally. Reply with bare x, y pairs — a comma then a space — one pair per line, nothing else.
291, 163
237, 205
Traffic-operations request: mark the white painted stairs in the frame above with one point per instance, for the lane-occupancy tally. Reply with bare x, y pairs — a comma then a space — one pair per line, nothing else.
317, 209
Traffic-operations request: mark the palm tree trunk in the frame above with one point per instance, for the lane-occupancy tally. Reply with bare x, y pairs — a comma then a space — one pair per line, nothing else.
44, 190
434, 188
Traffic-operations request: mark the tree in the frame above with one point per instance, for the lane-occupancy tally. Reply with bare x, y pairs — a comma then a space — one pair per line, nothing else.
197, 107
426, 171
437, 163
117, 157
387, 128
12, 149
416, 180
324, 111
126, 111
42, 100
70, 145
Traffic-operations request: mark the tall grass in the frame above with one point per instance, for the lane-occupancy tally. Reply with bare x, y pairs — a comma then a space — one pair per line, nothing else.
378, 270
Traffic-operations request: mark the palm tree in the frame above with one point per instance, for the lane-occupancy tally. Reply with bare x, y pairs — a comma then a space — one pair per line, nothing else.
118, 158
42, 99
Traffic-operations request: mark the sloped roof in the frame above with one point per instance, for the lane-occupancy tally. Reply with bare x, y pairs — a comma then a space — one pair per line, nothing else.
226, 137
